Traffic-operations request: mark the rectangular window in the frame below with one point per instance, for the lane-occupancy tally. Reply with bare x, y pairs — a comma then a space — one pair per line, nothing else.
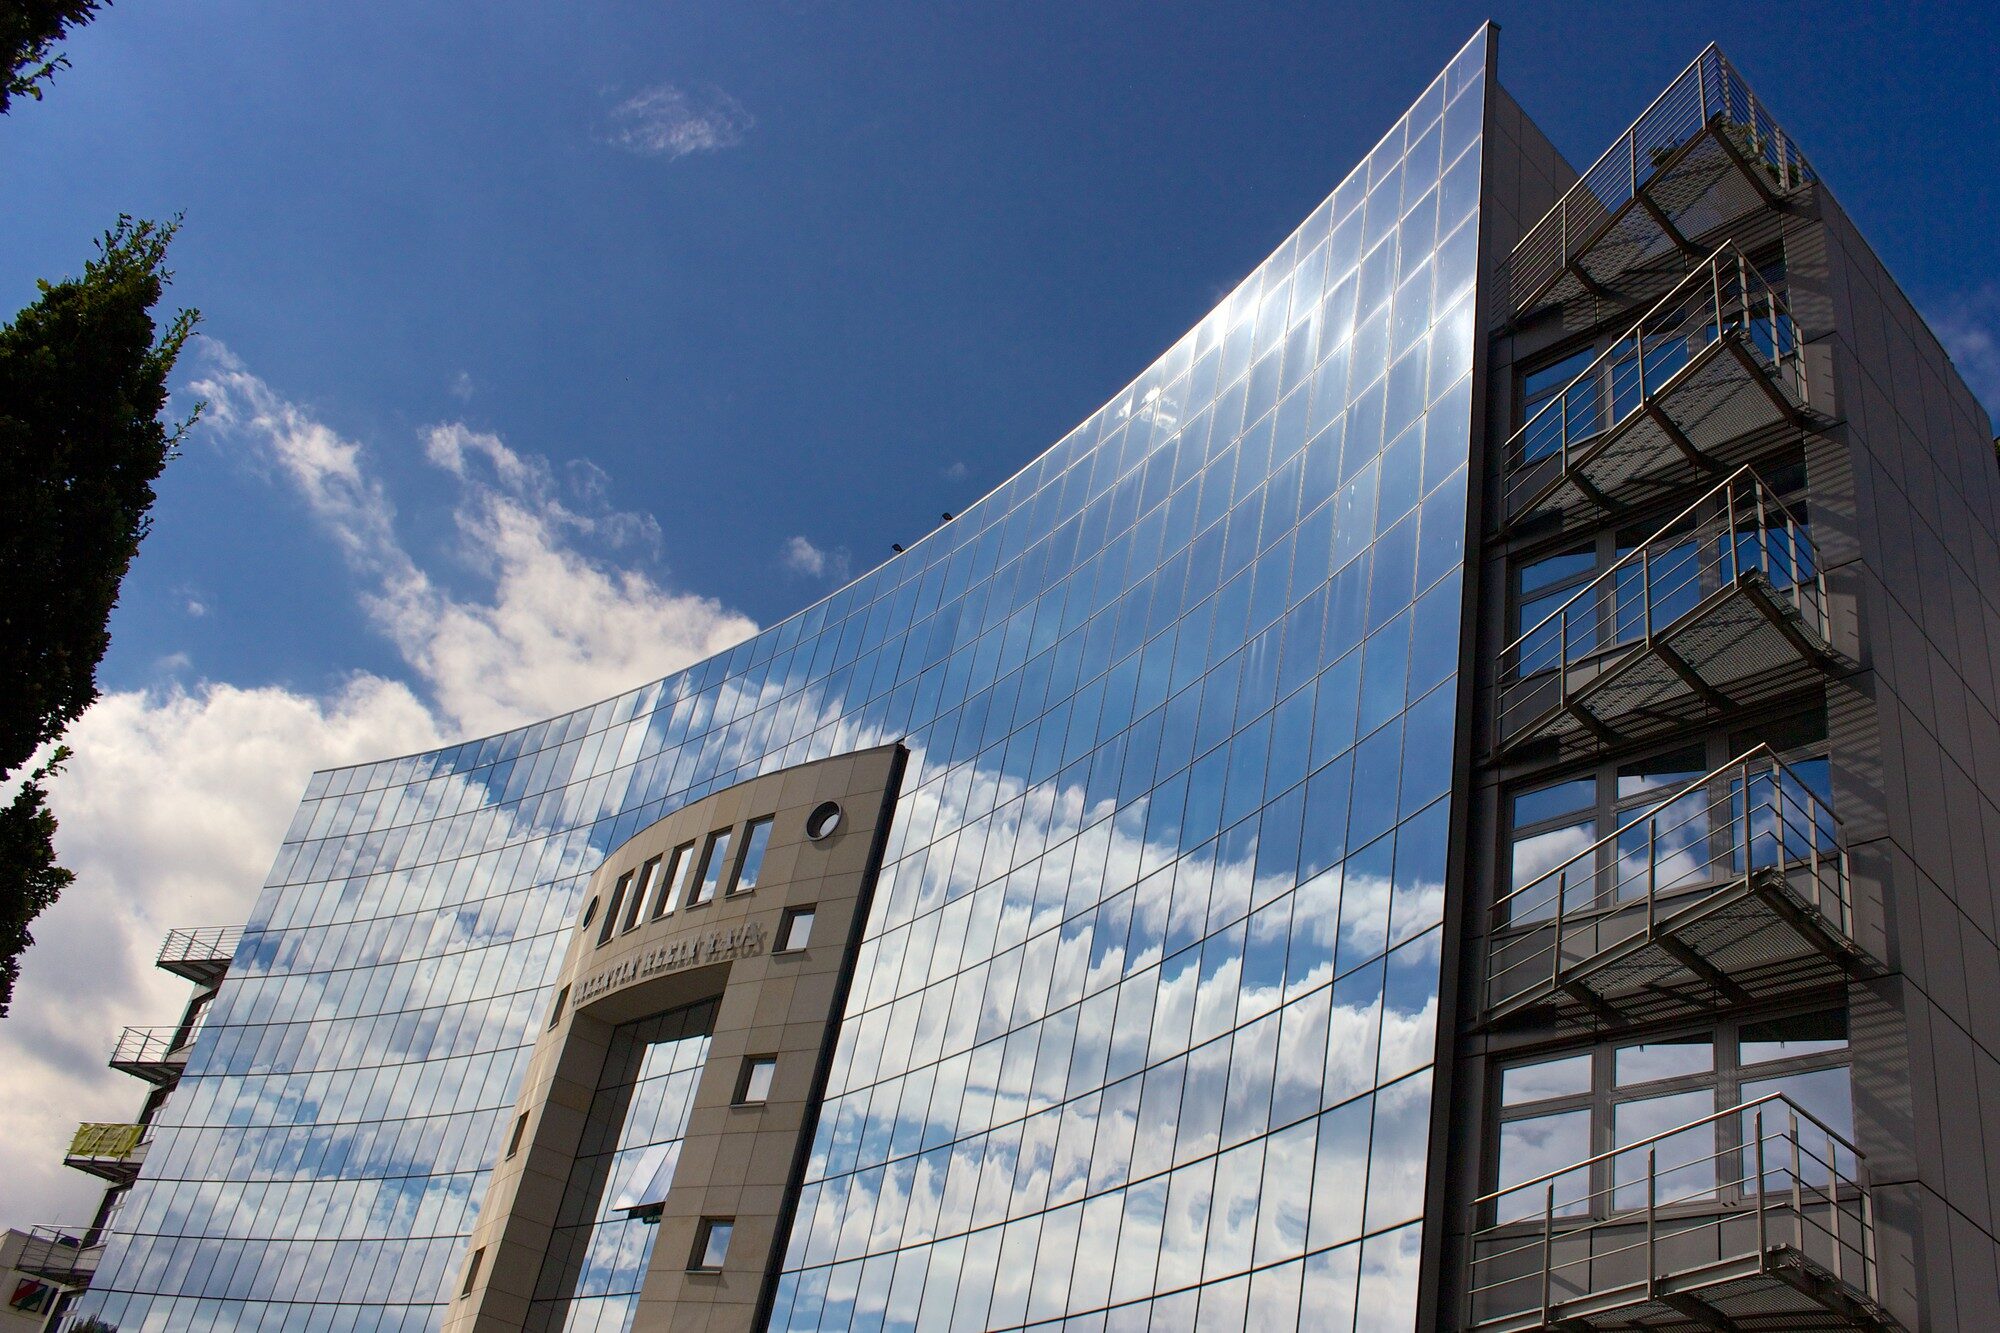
711, 1244
753, 1085
649, 875
714, 858
1553, 826
1576, 417
520, 1128
472, 1272
750, 865
670, 883
795, 929
556, 1013
611, 912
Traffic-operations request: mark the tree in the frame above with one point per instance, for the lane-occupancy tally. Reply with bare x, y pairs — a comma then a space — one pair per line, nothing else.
29, 31
83, 386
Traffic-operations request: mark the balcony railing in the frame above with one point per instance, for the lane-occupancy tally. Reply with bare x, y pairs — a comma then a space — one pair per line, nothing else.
1730, 888
1723, 606
155, 1054
1705, 152
66, 1256
201, 954
1755, 1217
113, 1152
1697, 383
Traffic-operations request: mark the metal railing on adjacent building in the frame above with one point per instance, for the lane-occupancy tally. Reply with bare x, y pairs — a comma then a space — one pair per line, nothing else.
66, 1256
1761, 1209
201, 954
111, 1151
1731, 886
1709, 98
1707, 612
154, 1054
1715, 362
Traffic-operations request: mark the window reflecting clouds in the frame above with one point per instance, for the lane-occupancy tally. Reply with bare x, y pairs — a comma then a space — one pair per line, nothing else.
1143, 1016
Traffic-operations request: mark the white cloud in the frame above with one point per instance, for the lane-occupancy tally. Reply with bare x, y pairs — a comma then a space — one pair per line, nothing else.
1969, 328
957, 471
560, 627
666, 121
177, 798
461, 386
802, 557
171, 811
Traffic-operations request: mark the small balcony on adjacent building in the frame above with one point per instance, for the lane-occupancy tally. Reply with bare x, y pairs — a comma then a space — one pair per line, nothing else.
110, 1152
157, 1055
202, 954
1758, 1217
66, 1256
1704, 155
1709, 377
1732, 888
1724, 606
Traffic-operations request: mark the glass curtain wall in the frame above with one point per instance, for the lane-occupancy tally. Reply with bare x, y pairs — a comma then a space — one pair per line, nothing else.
1143, 1019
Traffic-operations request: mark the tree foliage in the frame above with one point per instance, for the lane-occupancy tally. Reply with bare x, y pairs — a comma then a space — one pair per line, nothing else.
83, 390
29, 31
30, 879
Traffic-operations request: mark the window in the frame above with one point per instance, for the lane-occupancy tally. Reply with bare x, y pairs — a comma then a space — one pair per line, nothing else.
670, 883
708, 879
1565, 1110
611, 912
589, 912
1542, 588
556, 1012
648, 873
1579, 408
753, 1085
711, 1244
1552, 826
472, 1272
749, 865
795, 929
514, 1140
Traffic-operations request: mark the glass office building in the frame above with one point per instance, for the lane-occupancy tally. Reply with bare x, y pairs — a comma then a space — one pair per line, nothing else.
1269, 736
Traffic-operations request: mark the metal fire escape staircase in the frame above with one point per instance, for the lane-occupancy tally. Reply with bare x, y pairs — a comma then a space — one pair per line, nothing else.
1703, 156
1732, 888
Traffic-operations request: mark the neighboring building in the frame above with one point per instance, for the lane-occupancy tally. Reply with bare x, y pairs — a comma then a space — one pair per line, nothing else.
1462, 798
66, 1258
37, 1271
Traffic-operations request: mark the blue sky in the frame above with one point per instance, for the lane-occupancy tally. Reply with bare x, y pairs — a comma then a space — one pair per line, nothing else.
928, 240
555, 345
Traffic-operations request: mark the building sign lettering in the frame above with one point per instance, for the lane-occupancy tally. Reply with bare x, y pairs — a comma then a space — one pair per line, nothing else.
717, 946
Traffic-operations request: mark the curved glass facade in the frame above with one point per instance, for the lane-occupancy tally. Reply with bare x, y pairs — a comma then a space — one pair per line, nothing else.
1143, 1021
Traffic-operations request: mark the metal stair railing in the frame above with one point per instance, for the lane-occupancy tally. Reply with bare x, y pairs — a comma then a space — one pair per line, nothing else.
1753, 814
1573, 1234
1725, 297
1737, 529
1709, 90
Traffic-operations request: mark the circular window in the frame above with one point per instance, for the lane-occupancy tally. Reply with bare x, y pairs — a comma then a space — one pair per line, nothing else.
824, 819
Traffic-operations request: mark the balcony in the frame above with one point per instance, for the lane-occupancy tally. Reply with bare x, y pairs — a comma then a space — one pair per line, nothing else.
202, 954
1709, 377
1732, 888
66, 1256
1704, 155
157, 1055
110, 1152
1758, 1217
1724, 606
